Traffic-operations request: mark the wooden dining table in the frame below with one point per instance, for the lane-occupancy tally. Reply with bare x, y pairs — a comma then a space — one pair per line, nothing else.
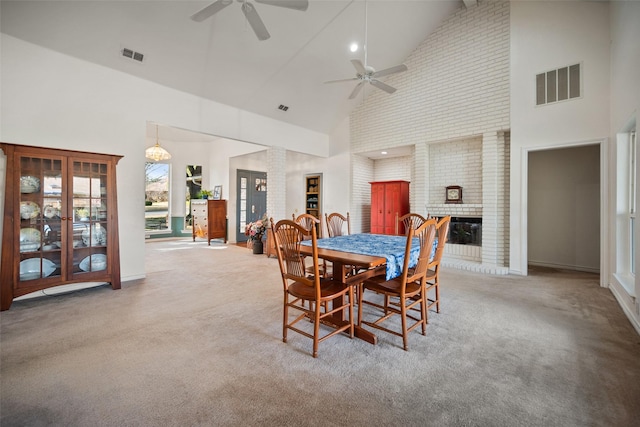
351, 266
344, 263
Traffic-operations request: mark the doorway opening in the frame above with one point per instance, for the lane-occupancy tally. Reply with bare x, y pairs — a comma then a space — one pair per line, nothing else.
563, 214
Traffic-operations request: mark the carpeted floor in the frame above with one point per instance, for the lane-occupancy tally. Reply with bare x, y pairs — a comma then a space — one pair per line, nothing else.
199, 342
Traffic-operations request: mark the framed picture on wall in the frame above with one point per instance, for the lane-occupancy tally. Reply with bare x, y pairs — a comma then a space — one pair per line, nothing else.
217, 192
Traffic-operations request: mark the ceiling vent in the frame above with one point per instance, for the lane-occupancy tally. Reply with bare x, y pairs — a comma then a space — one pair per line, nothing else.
132, 54
283, 107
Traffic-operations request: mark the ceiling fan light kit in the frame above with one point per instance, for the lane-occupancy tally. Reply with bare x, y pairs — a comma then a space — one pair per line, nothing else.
250, 12
366, 73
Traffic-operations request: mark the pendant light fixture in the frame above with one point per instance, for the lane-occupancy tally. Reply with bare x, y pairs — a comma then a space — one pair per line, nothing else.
156, 152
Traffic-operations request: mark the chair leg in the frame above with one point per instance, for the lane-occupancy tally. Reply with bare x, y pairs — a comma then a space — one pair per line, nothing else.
437, 296
423, 310
316, 329
285, 318
351, 312
403, 313
360, 293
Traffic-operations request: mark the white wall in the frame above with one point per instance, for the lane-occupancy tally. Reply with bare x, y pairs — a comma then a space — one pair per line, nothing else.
625, 113
53, 100
335, 179
544, 36
625, 62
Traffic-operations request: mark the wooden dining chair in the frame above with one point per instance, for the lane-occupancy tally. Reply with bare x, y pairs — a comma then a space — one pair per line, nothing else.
408, 288
433, 272
410, 220
320, 294
308, 221
335, 224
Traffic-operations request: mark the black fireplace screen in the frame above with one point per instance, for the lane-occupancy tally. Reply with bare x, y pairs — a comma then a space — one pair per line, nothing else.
465, 231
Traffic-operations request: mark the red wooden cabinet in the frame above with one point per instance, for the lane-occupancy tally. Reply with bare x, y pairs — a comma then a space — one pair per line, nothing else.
389, 200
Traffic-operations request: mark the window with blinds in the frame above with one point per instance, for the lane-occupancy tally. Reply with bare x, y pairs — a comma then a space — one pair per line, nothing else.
558, 85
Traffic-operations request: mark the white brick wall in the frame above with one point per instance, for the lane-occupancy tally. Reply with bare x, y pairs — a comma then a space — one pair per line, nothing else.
452, 105
456, 163
395, 168
457, 85
276, 182
362, 173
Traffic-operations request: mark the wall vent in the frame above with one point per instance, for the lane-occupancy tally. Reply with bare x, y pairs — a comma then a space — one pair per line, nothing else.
132, 54
559, 85
283, 107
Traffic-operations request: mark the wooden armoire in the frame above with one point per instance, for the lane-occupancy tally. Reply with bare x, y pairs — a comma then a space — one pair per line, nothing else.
389, 201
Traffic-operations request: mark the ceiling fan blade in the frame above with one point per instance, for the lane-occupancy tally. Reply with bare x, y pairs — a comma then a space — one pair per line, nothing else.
385, 87
254, 20
342, 80
397, 69
210, 10
356, 90
290, 4
358, 66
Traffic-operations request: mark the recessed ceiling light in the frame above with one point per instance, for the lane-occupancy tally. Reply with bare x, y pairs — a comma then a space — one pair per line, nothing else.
353, 47
383, 152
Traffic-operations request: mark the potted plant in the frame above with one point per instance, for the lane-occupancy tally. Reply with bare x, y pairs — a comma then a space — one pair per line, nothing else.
205, 194
255, 231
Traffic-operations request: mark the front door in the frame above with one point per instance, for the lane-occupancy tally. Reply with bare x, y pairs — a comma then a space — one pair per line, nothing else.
252, 200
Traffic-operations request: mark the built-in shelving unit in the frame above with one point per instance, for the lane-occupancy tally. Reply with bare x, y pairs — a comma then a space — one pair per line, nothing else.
313, 195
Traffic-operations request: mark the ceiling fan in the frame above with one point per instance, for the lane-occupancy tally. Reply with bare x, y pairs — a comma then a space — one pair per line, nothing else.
367, 74
250, 12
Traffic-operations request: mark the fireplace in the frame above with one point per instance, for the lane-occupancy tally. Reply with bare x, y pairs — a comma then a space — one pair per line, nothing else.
465, 231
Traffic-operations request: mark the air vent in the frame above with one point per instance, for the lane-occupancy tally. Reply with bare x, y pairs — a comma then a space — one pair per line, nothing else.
136, 56
283, 107
558, 85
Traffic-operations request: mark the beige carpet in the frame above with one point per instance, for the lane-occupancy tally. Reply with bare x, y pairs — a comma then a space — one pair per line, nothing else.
198, 342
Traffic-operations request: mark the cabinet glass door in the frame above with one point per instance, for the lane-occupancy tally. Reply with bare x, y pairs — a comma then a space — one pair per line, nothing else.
87, 225
40, 221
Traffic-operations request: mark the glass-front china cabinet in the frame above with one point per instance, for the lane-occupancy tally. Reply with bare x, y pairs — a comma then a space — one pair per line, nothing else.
60, 220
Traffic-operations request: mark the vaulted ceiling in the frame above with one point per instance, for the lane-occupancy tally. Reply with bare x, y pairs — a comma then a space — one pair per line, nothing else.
222, 59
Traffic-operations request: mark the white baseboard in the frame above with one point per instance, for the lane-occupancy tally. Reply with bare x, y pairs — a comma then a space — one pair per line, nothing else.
628, 303
564, 266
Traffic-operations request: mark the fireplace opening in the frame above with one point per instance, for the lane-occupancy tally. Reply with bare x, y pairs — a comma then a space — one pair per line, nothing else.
465, 231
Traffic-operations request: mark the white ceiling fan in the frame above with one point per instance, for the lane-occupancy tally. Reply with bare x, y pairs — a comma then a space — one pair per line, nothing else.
250, 12
367, 74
